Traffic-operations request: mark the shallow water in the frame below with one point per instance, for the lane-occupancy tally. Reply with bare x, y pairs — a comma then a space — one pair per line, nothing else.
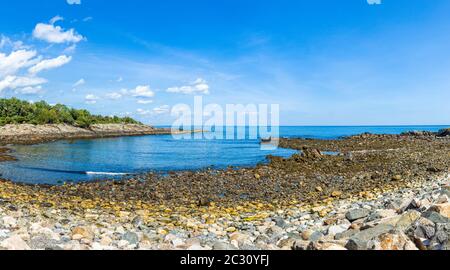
85, 160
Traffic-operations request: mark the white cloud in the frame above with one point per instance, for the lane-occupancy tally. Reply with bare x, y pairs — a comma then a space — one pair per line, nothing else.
15, 61
144, 101
80, 82
55, 19
56, 34
50, 64
88, 19
30, 90
71, 49
162, 109
199, 86
142, 91
374, 2
114, 96
14, 45
14, 82
120, 79
74, 2
143, 112
91, 99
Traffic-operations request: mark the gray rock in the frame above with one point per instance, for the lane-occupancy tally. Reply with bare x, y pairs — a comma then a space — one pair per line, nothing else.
42, 242
280, 222
300, 245
435, 217
360, 240
356, 214
316, 236
346, 234
131, 237
219, 245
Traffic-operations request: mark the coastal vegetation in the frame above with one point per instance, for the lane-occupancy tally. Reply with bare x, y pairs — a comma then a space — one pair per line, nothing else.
15, 111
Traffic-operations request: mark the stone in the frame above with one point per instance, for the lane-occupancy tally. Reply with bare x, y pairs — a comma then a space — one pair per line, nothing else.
407, 219
14, 242
9, 222
82, 232
306, 234
442, 209
435, 217
300, 245
346, 234
137, 221
395, 240
220, 245
356, 214
336, 229
326, 246
397, 177
316, 236
360, 240
106, 241
336, 194
131, 237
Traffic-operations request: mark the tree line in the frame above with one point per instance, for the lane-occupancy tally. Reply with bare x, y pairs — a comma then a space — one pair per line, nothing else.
15, 111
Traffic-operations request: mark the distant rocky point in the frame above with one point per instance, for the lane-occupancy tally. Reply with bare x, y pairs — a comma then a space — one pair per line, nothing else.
29, 134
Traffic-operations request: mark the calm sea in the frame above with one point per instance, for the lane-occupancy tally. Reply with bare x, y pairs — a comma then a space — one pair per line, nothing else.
86, 160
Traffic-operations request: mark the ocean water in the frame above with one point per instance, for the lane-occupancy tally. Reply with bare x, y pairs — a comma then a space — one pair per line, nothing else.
87, 160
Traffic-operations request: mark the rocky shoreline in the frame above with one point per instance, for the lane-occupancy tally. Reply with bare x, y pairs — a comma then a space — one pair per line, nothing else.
32, 134
383, 192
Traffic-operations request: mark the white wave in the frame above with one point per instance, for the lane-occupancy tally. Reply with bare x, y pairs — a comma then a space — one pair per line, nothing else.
105, 173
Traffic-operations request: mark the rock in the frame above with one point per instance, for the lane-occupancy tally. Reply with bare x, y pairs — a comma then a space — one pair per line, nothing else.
442, 209
300, 245
82, 232
407, 219
131, 237
319, 189
325, 246
9, 222
239, 238
336, 194
346, 234
14, 242
219, 245
395, 240
106, 241
397, 177
399, 205
360, 240
337, 229
137, 221
43, 242
315, 236
435, 217
306, 234
356, 214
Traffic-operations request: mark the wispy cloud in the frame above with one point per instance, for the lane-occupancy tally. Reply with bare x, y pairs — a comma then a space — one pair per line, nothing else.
374, 2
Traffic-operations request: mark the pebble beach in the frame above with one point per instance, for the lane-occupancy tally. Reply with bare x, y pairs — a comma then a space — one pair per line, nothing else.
381, 192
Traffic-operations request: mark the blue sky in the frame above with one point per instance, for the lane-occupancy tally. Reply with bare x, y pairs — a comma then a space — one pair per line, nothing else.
341, 62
